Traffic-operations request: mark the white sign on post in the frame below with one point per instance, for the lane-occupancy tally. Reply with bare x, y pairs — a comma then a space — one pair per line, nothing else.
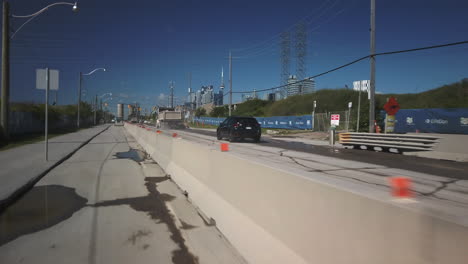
41, 79
47, 79
335, 120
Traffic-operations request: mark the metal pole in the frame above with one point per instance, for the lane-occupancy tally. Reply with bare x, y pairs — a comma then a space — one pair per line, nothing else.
79, 101
313, 115
5, 101
95, 109
347, 120
46, 141
55, 101
230, 83
372, 70
385, 124
172, 94
359, 106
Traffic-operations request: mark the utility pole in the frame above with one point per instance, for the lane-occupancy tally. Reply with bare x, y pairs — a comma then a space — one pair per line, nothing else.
5, 101
172, 94
79, 101
46, 124
95, 109
230, 83
372, 69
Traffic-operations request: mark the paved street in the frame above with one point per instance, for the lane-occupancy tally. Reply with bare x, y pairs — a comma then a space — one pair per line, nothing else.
443, 168
109, 203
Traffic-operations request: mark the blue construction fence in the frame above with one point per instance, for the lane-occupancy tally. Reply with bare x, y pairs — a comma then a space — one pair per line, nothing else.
284, 122
432, 120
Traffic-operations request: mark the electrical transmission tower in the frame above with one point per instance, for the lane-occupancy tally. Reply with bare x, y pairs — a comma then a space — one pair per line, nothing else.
301, 50
285, 57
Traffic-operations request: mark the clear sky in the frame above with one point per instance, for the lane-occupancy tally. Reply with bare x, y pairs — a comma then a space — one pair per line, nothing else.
145, 44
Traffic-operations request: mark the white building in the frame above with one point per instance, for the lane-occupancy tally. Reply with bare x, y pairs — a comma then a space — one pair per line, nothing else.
296, 86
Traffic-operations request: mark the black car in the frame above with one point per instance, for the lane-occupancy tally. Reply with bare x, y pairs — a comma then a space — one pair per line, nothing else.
238, 128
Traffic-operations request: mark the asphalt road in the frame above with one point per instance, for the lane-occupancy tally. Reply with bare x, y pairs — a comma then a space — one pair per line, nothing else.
450, 169
107, 204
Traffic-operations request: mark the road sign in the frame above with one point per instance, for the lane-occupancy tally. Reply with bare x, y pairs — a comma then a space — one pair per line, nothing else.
392, 106
335, 120
47, 79
41, 79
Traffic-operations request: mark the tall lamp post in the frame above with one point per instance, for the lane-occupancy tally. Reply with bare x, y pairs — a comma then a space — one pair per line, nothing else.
5, 100
96, 104
79, 93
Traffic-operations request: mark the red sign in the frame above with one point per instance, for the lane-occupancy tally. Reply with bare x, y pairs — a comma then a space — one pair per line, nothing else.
392, 106
335, 120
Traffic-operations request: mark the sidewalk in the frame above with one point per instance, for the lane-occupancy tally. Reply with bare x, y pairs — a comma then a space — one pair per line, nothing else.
21, 167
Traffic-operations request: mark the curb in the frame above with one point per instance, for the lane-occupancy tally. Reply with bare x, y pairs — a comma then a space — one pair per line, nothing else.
17, 194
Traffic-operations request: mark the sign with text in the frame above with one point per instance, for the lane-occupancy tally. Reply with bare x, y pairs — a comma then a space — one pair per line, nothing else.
335, 120
283, 122
390, 125
432, 120
41, 79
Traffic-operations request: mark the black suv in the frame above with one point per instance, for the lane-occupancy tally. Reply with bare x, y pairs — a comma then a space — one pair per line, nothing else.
237, 127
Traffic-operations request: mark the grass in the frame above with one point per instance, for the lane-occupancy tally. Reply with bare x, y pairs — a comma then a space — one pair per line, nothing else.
285, 131
195, 125
17, 141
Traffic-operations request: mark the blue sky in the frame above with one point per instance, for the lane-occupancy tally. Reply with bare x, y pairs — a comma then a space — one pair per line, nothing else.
145, 44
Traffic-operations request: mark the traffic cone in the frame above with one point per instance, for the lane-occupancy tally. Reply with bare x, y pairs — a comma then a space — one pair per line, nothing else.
401, 187
224, 147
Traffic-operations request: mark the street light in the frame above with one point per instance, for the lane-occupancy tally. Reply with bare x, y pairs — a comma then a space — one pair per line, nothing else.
5, 98
100, 104
79, 93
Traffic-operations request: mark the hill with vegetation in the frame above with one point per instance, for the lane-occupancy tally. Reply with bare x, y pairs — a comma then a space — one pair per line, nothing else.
454, 95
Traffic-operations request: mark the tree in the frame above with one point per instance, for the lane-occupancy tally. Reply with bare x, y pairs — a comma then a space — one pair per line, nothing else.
220, 111
200, 112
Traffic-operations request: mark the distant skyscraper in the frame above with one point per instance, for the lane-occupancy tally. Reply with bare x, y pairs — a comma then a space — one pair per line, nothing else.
296, 87
221, 87
218, 98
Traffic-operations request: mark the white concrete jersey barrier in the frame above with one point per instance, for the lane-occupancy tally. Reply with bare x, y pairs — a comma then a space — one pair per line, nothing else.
276, 216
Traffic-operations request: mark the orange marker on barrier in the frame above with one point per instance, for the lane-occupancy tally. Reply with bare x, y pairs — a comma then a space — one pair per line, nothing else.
401, 187
174, 134
224, 147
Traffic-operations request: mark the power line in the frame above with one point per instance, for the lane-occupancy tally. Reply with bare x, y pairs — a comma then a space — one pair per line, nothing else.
358, 60
302, 20
272, 47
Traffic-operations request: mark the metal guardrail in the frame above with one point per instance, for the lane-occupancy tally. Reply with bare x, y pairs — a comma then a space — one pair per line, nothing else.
400, 142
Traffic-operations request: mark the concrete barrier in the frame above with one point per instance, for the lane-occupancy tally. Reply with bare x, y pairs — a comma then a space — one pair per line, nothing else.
276, 216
